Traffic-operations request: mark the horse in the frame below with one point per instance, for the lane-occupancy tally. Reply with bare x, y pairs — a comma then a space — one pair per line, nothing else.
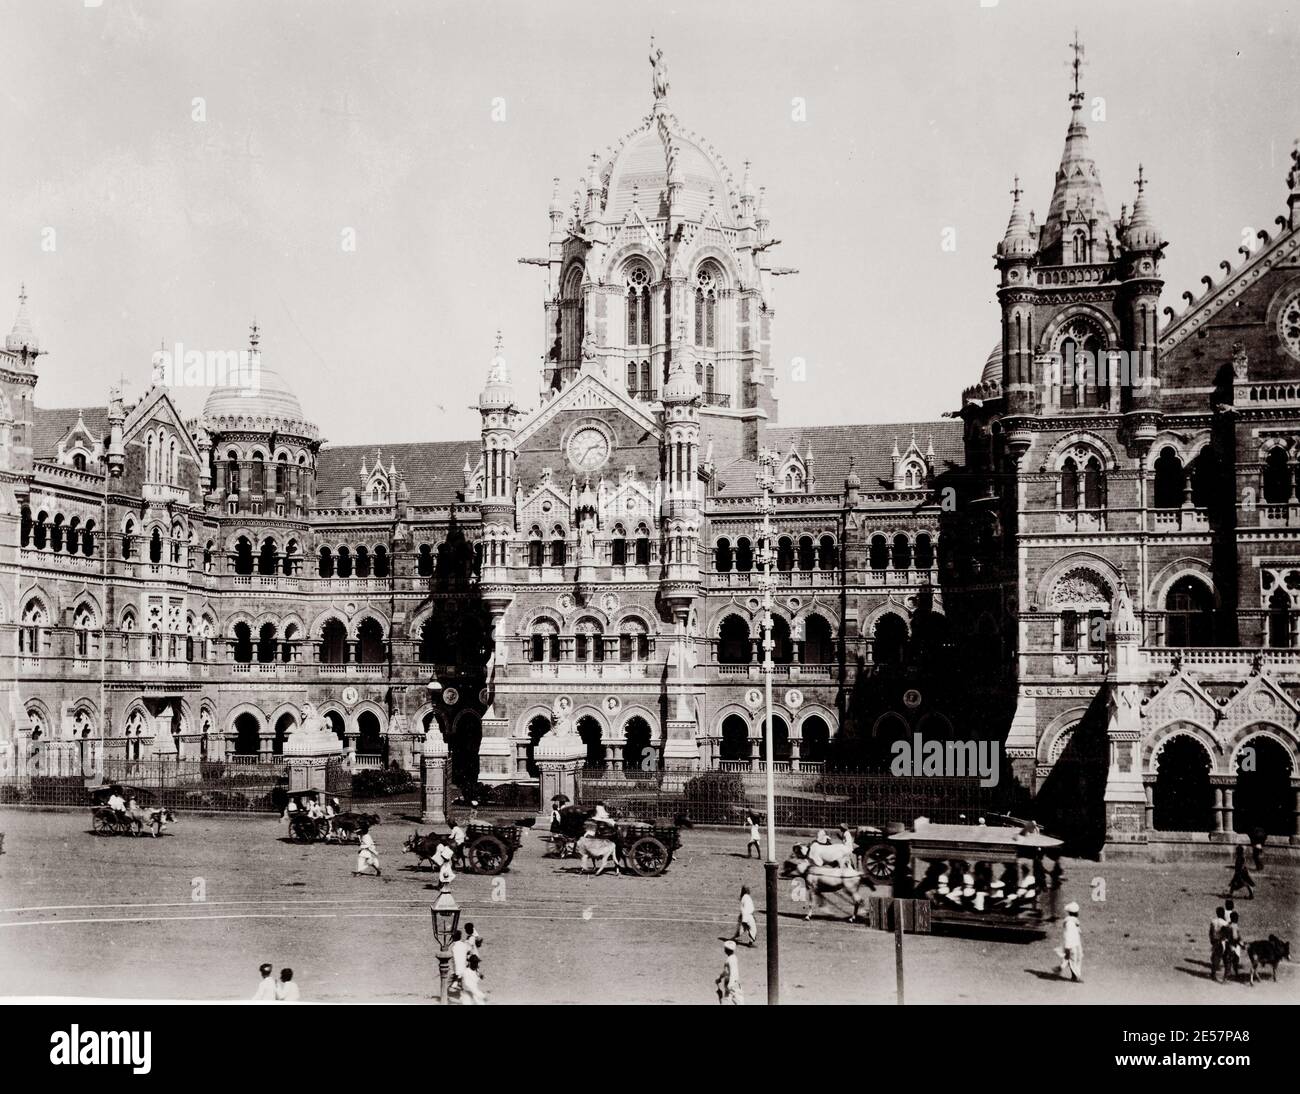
826, 854
820, 880
154, 818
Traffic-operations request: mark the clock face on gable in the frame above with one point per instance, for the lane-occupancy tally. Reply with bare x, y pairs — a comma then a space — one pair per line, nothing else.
588, 449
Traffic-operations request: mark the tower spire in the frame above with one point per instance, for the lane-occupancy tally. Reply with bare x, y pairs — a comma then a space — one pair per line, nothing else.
1076, 96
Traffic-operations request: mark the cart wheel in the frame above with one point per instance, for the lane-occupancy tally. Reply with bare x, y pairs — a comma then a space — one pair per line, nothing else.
648, 856
488, 855
879, 861
98, 823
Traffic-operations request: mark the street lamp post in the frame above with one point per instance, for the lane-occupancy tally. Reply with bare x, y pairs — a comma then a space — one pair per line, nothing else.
767, 479
445, 914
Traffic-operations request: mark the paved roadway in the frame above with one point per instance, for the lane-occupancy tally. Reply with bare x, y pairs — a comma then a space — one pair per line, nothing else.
112, 916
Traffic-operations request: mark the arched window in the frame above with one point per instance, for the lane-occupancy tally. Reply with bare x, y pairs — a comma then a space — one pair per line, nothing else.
559, 549
734, 646
282, 474
79, 461
371, 647
902, 552
266, 643
827, 555
333, 642
618, 546
34, 619
642, 545
924, 556
1206, 478
744, 555
267, 557
1189, 614
807, 556
588, 641
325, 568
243, 645
363, 562
424, 561
232, 472
243, 556
1069, 484
1094, 484
785, 554
40, 532
638, 305
536, 548
258, 484
379, 564
56, 533
706, 306
890, 640
1080, 246
633, 641
818, 641
88, 539
155, 546
782, 647
1170, 480
878, 553
544, 641
1280, 620
344, 564
1277, 477
722, 556
25, 527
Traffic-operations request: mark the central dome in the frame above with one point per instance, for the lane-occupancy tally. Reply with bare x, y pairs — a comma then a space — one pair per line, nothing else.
640, 169
266, 402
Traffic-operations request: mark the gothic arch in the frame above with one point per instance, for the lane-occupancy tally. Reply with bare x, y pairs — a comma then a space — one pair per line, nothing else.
1085, 438
1156, 742
1186, 446
233, 714
361, 616
525, 719
888, 608
652, 720
624, 256
636, 614
1105, 325
85, 598
318, 624
595, 713
279, 712
820, 710
372, 707
436, 720
1077, 560
725, 712
1198, 568
1056, 737
1270, 730
532, 616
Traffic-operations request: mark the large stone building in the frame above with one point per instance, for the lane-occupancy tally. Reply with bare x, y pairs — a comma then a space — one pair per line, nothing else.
1097, 567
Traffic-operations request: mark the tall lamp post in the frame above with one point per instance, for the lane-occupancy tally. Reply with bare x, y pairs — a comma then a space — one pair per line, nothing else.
445, 913
766, 480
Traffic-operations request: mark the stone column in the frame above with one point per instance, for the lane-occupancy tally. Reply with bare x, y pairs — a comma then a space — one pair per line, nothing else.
1150, 806
433, 779
1218, 810
1227, 810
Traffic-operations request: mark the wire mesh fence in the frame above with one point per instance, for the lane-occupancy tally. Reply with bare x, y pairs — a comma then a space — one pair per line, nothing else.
801, 800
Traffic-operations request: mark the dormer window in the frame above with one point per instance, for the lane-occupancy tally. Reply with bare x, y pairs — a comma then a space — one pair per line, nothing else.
79, 461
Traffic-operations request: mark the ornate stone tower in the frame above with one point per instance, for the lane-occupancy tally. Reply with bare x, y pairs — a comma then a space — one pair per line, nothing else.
18, 383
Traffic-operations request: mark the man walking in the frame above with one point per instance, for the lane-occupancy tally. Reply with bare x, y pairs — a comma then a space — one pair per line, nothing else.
1072, 944
753, 837
728, 981
745, 921
367, 854
1217, 926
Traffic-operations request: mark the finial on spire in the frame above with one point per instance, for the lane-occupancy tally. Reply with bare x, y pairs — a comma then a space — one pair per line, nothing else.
1016, 191
1141, 182
22, 292
254, 334
1077, 64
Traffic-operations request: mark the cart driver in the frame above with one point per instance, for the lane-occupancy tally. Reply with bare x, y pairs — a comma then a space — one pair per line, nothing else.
116, 804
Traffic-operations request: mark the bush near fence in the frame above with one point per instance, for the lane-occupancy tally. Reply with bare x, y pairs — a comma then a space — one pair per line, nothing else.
382, 783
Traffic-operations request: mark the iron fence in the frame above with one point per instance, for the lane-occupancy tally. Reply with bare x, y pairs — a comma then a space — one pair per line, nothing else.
802, 799
185, 785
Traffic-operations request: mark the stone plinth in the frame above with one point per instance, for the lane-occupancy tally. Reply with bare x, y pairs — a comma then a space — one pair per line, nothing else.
433, 779
558, 757
496, 751
681, 750
308, 751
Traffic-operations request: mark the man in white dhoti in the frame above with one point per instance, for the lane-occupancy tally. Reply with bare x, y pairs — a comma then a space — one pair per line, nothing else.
367, 854
745, 921
1071, 950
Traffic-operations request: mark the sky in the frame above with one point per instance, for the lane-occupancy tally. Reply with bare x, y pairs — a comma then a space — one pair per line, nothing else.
176, 221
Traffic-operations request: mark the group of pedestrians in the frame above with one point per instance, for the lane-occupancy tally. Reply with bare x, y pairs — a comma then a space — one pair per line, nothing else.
271, 990
1227, 944
466, 965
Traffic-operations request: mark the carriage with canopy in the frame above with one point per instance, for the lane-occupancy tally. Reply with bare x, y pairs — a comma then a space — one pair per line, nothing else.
637, 846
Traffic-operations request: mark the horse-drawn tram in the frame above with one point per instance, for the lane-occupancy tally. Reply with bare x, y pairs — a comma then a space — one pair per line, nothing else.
636, 846
975, 875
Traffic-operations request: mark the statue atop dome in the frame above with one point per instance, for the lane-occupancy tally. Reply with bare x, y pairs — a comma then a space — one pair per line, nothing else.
659, 77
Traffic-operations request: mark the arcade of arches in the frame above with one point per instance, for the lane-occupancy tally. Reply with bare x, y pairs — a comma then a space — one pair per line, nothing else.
1185, 794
